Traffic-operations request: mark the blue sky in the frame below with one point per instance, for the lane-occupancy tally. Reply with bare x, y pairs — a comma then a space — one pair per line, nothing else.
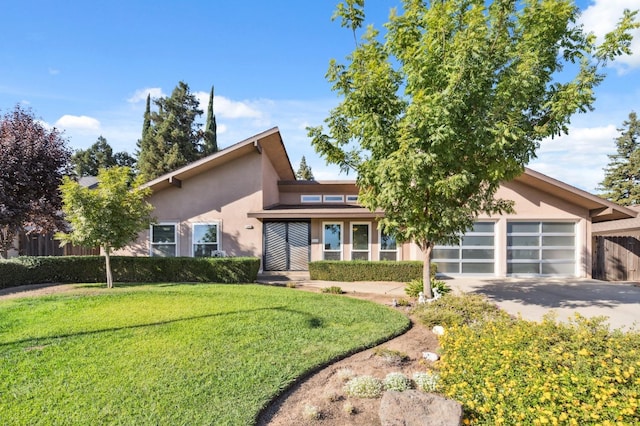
86, 67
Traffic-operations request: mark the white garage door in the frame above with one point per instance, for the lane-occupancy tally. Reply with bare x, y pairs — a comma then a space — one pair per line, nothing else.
474, 255
541, 248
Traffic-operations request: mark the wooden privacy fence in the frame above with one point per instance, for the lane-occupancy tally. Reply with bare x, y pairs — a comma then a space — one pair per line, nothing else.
46, 245
616, 258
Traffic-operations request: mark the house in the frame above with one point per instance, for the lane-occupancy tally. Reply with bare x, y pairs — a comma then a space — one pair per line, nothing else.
245, 201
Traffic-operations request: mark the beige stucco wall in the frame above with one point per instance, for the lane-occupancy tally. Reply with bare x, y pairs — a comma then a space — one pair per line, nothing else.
225, 194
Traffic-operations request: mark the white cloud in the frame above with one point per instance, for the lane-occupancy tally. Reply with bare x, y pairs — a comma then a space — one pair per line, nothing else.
140, 95
78, 122
54, 71
602, 16
579, 157
226, 108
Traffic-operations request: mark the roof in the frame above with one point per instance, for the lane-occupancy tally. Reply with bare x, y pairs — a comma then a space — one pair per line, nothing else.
268, 142
600, 210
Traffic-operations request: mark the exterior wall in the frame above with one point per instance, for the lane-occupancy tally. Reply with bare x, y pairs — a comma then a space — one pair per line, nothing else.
225, 194
270, 193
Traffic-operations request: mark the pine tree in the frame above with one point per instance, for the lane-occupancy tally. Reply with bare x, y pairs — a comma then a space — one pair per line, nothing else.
304, 171
172, 139
210, 136
147, 117
622, 175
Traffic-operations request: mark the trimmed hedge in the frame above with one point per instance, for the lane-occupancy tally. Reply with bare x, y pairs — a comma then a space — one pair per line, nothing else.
362, 270
87, 269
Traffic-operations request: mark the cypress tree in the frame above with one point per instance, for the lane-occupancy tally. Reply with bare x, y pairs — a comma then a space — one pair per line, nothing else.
210, 145
304, 171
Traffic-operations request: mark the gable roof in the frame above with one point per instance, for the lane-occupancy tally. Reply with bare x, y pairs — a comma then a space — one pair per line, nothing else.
267, 143
600, 210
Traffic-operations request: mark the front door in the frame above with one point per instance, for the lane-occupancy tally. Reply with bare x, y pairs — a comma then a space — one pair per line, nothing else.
286, 246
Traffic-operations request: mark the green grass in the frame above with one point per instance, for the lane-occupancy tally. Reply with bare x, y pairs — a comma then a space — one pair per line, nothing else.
171, 354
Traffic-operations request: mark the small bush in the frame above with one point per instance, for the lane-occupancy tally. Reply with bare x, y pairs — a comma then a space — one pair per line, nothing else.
332, 290
364, 387
311, 412
414, 287
391, 356
349, 408
362, 270
397, 382
426, 382
345, 374
460, 309
291, 284
403, 302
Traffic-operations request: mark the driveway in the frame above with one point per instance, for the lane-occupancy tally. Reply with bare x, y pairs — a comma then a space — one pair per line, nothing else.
533, 298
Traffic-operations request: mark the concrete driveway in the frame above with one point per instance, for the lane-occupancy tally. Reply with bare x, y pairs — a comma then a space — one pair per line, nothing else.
533, 298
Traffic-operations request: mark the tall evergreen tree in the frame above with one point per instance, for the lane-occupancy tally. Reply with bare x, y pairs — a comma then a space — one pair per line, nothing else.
173, 137
210, 144
622, 175
147, 116
304, 171
87, 162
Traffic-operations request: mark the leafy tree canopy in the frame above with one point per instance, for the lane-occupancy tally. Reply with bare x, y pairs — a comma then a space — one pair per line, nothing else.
87, 162
171, 137
110, 216
33, 160
453, 99
622, 175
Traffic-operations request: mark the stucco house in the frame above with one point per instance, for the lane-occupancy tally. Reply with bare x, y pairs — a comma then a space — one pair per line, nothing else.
245, 201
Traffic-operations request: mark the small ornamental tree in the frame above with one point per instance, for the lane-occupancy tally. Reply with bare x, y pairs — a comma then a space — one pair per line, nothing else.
33, 160
622, 176
454, 100
110, 216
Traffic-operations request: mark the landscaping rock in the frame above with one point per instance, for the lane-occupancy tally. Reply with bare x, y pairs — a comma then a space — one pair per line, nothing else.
415, 408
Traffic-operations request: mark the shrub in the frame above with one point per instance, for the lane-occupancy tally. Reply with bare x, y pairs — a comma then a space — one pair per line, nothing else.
345, 374
333, 290
391, 356
362, 270
83, 269
426, 382
457, 310
414, 287
397, 382
349, 408
311, 412
520, 372
364, 387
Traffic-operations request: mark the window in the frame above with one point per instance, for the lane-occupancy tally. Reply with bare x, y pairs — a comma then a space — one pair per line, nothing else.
206, 239
311, 198
332, 241
541, 248
334, 198
352, 198
360, 241
388, 247
474, 254
163, 240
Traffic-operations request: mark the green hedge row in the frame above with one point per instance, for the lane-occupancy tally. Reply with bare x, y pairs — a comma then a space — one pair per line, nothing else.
361, 270
88, 269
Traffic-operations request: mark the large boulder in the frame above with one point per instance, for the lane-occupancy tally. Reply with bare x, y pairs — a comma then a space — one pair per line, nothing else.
415, 408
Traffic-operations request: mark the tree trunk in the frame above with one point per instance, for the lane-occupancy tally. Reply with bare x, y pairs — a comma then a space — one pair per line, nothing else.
426, 270
108, 266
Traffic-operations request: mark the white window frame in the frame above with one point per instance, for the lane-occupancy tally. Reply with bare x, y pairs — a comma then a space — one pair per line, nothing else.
341, 250
380, 250
338, 198
368, 251
352, 199
175, 237
218, 225
309, 198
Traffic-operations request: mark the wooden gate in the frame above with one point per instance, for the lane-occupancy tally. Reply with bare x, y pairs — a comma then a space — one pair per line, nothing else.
616, 258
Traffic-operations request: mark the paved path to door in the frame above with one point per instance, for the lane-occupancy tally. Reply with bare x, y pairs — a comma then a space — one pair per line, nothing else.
533, 298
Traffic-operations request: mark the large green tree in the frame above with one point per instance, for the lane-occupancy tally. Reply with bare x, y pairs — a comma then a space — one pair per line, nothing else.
304, 170
87, 162
452, 101
622, 175
33, 160
109, 216
172, 138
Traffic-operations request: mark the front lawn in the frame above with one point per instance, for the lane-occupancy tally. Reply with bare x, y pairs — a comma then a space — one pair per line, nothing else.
171, 354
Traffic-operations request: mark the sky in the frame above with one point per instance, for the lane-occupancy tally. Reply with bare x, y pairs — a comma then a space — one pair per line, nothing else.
85, 67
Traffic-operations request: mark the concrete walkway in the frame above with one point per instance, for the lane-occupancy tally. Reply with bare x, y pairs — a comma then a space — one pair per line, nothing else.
529, 298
